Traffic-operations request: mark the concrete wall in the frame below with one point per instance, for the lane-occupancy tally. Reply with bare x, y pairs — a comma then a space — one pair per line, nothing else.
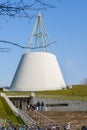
63, 105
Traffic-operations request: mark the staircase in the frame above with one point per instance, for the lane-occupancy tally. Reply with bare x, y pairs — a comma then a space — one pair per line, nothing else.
26, 118
45, 118
41, 119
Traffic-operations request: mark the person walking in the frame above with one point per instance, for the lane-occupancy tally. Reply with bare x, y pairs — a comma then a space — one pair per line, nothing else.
42, 106
38, 105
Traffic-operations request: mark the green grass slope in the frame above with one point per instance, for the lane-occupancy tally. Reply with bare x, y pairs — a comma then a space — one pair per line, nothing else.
7, 113
76, 92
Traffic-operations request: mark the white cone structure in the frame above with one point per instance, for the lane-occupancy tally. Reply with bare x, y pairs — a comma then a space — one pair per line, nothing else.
38, 70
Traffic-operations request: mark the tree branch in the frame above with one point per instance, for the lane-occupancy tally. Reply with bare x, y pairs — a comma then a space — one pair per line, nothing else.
22, 8
15, 44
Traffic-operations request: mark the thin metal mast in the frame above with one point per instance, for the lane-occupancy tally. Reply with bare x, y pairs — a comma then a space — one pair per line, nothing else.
39, 39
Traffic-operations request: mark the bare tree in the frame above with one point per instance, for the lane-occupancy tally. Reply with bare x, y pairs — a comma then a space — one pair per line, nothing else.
22, 9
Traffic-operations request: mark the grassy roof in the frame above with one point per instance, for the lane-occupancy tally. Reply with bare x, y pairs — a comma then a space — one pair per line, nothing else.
77, 91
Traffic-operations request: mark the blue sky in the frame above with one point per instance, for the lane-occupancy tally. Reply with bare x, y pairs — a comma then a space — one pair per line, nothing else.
66, 24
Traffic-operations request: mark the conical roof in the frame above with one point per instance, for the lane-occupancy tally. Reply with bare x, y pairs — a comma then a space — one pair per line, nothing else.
38, 69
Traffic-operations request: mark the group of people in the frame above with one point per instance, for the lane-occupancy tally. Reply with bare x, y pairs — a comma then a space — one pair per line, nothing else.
24, 127
38, 106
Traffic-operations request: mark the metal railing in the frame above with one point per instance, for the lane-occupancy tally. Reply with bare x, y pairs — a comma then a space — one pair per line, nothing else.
26, 118
41, 119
